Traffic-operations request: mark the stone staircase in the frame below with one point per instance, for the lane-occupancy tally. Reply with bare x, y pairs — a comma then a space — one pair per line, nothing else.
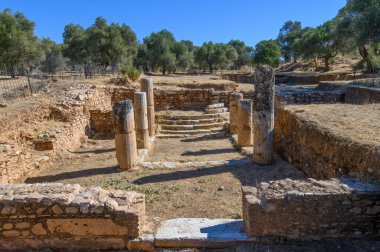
213, 120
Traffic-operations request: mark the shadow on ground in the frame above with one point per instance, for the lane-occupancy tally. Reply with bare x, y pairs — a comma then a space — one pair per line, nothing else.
204, 138
74, 174
94, 151
208, 152
247, 173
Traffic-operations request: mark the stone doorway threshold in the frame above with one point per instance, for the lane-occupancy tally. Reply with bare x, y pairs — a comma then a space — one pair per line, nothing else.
195, 233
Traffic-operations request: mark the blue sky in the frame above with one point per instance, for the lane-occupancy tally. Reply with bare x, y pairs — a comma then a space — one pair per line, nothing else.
196, 20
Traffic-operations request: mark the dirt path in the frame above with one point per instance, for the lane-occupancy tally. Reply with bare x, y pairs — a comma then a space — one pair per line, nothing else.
193, 149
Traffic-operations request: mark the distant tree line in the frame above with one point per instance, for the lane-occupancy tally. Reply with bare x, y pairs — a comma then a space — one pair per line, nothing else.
355, 28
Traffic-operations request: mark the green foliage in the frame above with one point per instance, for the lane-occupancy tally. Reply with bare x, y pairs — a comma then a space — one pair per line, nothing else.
18, 44
364, 18
289, 33
160, 47
267, 52
319, 43
184, 55
244, 53
54, 60
103, 44
131, 72
358, 25
213, 56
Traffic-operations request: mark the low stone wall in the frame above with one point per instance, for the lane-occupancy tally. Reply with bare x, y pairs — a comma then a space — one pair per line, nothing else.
333, 85
240, 78
312, 210
312, 77
60, 216
102, 121
120, 94
362, 95
198, 99
312, 97
191, 99
319, 153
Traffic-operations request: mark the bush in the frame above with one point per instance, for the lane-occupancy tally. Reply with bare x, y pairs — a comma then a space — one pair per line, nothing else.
131, 72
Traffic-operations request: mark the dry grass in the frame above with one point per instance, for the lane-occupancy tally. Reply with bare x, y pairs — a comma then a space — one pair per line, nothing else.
359, 123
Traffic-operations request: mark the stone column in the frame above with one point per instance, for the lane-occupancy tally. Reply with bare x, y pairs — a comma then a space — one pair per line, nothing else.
141, 120
234, 118
245, 130
147, 87
263, 116
125, 135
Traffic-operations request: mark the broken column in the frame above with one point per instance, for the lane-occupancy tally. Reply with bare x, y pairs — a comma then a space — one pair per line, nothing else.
234, 118
125, 135
245, 132
263, 116
147, 87
141, 120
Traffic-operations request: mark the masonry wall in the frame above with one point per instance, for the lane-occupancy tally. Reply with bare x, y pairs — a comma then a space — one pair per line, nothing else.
362, 95
62, 216
311, 209
102, 121
190, 99
312, 97
321, 154
198, 99
68, 121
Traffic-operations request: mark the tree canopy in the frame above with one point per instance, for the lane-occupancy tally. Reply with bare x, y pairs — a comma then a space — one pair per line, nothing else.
18, 44
355, 28
100, 43
289, 33
267, 52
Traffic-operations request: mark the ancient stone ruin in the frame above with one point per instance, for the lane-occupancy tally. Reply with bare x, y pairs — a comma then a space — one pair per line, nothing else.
143, 167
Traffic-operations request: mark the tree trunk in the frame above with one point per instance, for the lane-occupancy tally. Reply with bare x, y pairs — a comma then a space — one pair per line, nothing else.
295, 58
210, 68
327, 65
316, 63
366, 58
11, 72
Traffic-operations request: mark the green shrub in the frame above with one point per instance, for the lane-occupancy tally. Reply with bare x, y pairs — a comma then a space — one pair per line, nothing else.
131, 72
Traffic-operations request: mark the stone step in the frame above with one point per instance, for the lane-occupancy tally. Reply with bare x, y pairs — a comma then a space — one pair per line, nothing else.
216, 110
192, 127
202, 233
192, 122
216, 105
192, 132
192, 117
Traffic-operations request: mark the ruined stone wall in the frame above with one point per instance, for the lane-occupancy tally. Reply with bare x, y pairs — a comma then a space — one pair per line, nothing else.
240, 78
362, 95
68, 216
119, 94
102, 121
312, 97
65, 124
190, 99
321, 154
311, 209
313, 78
198, 99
